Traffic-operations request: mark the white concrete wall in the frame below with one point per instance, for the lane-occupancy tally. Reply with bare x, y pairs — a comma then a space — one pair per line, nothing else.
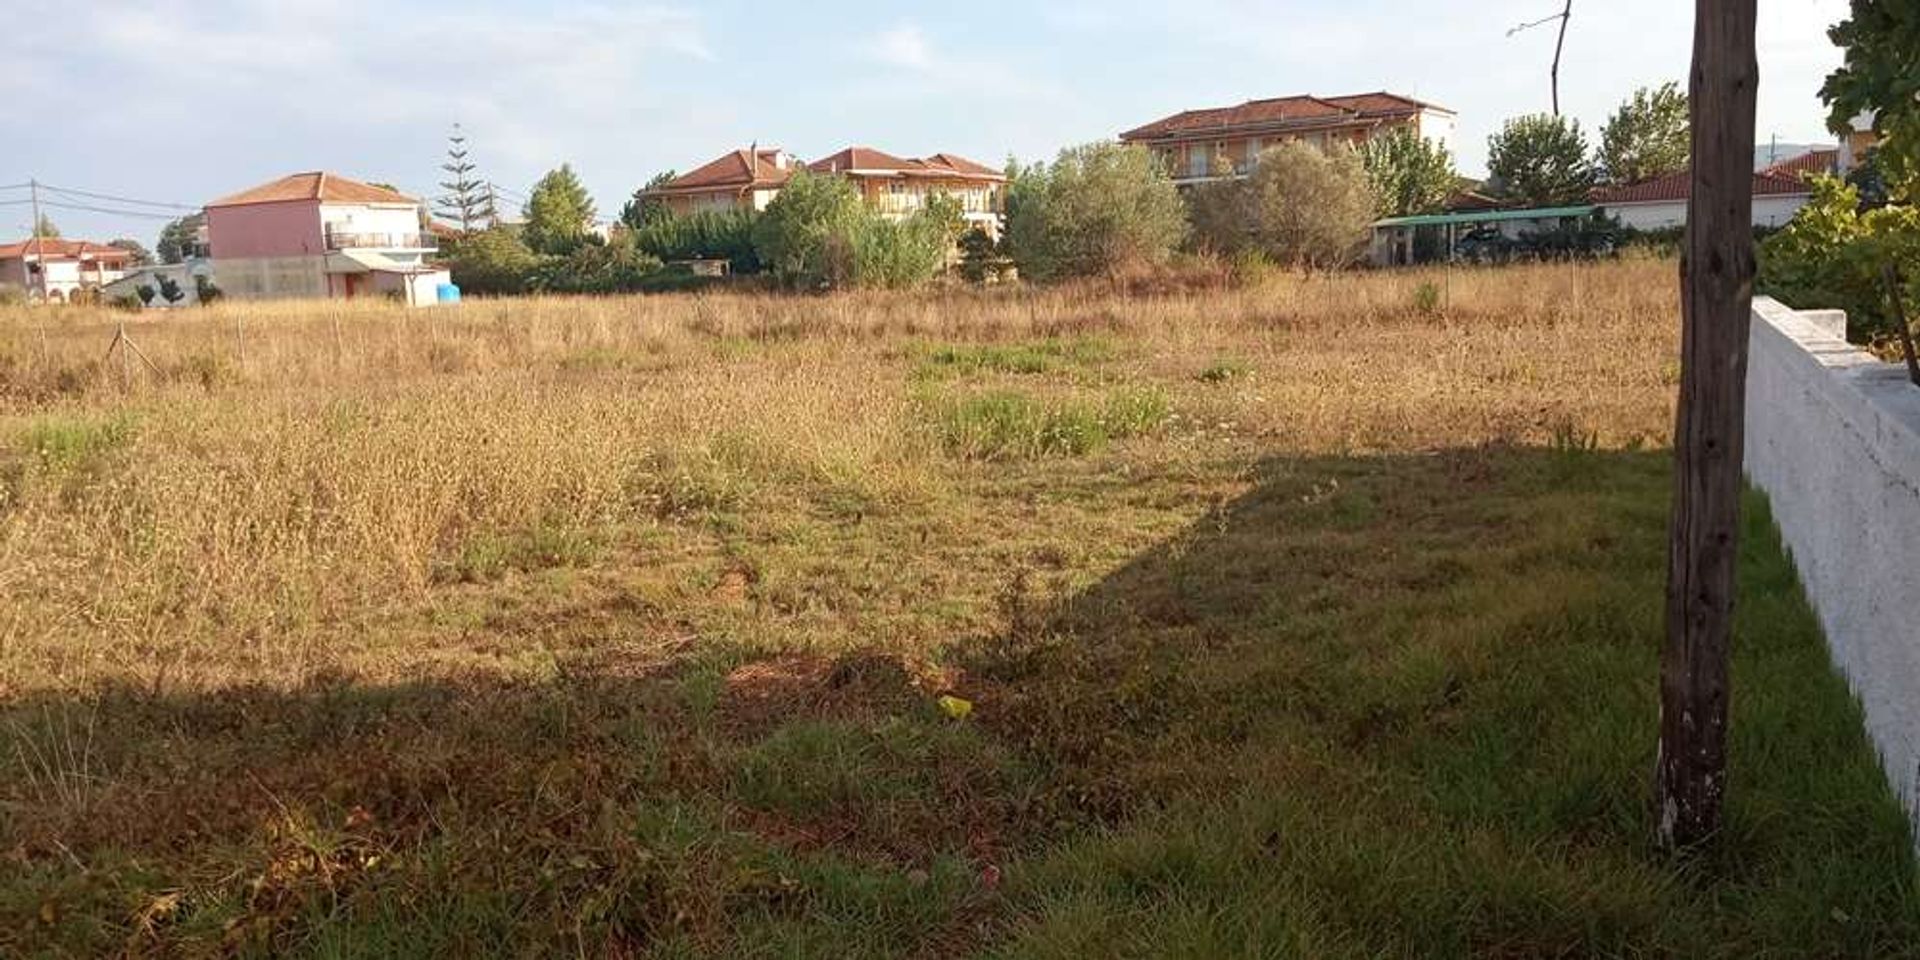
1767, 212
1833, 437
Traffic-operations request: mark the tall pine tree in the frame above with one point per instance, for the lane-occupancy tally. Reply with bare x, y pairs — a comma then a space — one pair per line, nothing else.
468, 200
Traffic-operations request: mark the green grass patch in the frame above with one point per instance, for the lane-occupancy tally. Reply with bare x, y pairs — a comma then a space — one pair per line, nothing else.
491, 555
1011, 425
1025, 358
62, 442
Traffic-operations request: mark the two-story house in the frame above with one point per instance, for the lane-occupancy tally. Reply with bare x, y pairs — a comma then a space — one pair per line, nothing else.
53, 270
739, 180
1217, 142
897, 187
322, 235
893, 186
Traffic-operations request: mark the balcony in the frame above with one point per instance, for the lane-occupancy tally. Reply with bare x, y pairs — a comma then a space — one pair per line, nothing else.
340, 240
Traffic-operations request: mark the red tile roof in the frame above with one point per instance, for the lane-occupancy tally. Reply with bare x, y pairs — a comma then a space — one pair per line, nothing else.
1808, 164
1677, 186
736, 170
55, 248
1301, 111
314, 185
867, 160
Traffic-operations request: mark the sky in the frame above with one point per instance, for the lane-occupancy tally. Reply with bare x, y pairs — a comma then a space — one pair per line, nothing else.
183, 101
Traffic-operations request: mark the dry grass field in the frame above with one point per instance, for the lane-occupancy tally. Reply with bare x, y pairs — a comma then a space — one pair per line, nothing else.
1294, 620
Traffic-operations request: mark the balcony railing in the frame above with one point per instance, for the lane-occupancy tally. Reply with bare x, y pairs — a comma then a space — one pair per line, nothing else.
338, 240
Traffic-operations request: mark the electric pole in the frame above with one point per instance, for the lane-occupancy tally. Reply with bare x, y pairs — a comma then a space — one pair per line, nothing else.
1553, 76
1716, 279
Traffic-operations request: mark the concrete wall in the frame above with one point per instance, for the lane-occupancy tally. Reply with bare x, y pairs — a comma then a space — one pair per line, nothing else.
272, 278
1833, 437
255, 230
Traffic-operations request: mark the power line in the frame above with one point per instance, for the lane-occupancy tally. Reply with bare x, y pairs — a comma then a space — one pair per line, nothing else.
114, 199
123, 213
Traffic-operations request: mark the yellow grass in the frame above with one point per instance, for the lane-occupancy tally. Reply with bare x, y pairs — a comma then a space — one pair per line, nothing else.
296, 473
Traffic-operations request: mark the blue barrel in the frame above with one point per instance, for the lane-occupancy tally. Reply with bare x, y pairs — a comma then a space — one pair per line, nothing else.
447, 293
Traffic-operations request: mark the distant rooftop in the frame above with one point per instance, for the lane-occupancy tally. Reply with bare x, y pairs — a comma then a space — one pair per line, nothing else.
1302, 110
314, 185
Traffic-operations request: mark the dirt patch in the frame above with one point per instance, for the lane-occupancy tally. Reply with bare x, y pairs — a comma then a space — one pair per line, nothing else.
857, 687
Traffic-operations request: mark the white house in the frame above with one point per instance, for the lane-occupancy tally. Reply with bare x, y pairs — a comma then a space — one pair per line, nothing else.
1661, 203
52, 269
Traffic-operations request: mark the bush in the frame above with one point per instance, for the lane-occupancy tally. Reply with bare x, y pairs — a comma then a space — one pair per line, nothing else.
494, 262
594, 268
708, 235
1831, 256
805, 237
982, 260
897, 255
1097, 209
1311, 208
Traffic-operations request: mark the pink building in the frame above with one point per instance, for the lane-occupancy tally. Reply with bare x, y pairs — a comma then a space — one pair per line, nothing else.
322, 235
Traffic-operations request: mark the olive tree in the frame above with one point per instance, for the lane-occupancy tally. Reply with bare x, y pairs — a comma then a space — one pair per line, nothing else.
1097, 208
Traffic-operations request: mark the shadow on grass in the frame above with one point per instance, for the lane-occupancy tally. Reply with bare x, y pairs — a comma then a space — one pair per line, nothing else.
1375, 706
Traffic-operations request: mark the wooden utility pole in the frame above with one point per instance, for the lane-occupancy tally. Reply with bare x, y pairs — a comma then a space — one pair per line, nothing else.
1566, 14
1553, 76
1716, 276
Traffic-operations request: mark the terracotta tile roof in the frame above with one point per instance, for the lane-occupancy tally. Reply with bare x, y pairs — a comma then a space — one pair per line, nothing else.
962, 164
1382, 103
736, 170
1677, 186
55, 248
860, 158
869, 160
1300, 111
1808, 164
314, 185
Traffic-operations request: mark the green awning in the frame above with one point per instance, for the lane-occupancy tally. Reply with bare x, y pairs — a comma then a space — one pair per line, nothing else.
1485, 216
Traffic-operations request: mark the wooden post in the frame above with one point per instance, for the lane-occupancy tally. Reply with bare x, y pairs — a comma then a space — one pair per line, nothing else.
1716, 274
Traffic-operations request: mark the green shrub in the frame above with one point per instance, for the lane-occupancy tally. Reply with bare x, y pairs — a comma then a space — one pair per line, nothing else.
1831, 256
594, 268
805, 237
982, 259
1097, 209
494, 262
896, 255
708, 235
